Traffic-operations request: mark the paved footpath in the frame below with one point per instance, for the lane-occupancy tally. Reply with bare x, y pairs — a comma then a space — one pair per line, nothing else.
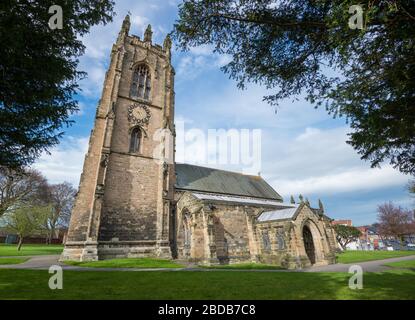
368, 266
44, 262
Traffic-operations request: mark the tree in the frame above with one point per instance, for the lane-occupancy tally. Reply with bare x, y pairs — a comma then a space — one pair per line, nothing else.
346, 234
307, 47
38, 73
307, 202
18, 187
292, 200
61, 199
24, 221
301, 198
394, 221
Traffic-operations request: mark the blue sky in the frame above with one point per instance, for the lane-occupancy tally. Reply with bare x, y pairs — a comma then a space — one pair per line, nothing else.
303, 149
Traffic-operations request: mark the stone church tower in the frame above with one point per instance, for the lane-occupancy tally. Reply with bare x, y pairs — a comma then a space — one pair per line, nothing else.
124, 202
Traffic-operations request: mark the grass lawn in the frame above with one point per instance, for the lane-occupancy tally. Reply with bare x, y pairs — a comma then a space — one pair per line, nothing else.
128, 263
245, 266
360, 256
9, 250
12, 260
409, 264
33, 284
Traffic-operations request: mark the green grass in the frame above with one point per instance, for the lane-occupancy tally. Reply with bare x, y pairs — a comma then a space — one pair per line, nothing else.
245, 266
127, 263
33, 284
360, 256
408, 264
12, 260
9, 250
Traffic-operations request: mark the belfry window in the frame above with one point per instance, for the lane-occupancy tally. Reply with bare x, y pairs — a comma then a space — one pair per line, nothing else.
141, 83
135, 140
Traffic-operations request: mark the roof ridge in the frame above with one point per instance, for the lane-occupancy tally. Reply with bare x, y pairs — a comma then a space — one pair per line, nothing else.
199, 178
242, 174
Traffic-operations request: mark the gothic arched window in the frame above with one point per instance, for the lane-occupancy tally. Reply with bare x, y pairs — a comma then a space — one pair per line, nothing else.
187, 231
135, 140
266, 241
280, 239
141, 83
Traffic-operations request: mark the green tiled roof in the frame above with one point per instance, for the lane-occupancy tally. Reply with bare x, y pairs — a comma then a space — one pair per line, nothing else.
196, 178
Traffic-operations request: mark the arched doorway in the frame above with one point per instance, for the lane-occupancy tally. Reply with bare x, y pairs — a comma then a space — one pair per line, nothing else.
309, 244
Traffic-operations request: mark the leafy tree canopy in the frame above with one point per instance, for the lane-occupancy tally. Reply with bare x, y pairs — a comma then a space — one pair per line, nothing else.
61, 199
22, 187
38, 72
25, 220
395, 221
307, 47
346, 234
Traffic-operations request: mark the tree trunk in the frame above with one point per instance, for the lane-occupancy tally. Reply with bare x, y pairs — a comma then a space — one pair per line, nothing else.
50, 236
19, 245
346, 243
342, 246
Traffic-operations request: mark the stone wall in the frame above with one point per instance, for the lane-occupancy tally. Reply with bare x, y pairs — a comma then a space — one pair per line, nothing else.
219, 233
223, 233
278, 248
231, 234
294, 254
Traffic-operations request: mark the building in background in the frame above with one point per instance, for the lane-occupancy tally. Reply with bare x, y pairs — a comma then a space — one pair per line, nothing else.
342, 222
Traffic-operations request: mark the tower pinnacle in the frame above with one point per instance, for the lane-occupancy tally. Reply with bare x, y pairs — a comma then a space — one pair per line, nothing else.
126, 23
167, 43
148, 34
125, 29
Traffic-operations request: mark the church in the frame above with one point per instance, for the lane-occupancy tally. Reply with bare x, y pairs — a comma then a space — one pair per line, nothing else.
132, 202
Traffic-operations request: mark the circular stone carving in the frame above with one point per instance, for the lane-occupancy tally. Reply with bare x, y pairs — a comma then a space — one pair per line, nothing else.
139, 114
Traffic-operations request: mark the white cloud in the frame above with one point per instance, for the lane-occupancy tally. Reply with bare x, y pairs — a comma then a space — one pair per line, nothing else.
319, 161
223, 60
65, 161
183, 119
190, 67
313, 162
92, 85
82, 108
139, 22
202, 50
303, 149
200, 60
174, 3
244, 108
358, 179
